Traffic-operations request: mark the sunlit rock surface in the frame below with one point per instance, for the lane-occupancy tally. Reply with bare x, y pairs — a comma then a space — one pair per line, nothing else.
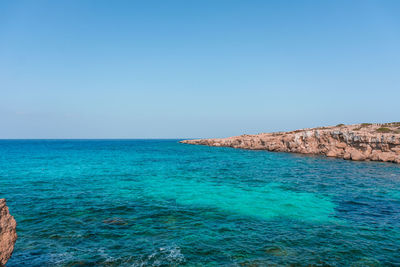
377, 142
8, 234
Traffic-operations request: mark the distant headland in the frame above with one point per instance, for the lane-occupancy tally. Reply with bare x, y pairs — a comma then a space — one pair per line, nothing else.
365, 141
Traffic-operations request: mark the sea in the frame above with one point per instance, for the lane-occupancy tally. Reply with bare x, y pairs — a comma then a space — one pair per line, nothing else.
163, 203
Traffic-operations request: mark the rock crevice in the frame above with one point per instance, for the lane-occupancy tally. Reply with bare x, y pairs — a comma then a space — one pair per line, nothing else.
353, 142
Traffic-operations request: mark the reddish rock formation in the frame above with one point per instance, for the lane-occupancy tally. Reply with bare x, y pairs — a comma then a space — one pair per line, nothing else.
8, 234
378, 142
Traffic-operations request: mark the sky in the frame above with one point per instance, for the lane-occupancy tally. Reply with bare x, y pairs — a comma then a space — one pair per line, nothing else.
187, 69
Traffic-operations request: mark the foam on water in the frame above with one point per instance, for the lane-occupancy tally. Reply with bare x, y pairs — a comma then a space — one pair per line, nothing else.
169, 255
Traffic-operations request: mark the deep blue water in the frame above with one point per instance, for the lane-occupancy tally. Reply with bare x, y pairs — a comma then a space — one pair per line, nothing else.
161, 203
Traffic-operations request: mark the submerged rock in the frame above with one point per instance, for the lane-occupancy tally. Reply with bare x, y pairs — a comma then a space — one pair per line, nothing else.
8, 234
353, 142
276, 251
115, 221
366, 262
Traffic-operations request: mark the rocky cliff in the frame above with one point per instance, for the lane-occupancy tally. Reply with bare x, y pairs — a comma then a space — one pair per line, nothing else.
8, 234
378, 142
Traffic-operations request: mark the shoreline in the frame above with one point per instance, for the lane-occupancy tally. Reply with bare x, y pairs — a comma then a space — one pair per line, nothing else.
359, 142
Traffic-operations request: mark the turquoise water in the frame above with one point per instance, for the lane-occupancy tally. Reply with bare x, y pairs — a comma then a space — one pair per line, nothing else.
161, 203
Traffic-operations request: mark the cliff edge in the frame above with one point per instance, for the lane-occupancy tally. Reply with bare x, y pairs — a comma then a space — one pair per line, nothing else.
366, 141
8, 234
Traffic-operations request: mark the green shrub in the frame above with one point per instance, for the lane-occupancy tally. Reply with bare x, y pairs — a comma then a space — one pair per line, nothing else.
383, 130
365, 124
340, 125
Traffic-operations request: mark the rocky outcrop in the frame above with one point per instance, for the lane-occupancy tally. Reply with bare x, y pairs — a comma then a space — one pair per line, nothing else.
377, 142
8, 234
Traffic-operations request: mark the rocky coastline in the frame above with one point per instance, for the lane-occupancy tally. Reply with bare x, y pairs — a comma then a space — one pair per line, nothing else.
8, 234
360, 142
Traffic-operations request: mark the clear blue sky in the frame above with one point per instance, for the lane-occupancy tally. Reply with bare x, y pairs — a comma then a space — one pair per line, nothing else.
148, 69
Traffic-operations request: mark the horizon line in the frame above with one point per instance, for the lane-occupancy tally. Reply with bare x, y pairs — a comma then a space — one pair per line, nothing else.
5, 139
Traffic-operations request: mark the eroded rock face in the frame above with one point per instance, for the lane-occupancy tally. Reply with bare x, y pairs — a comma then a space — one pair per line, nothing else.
8, 234
353, 142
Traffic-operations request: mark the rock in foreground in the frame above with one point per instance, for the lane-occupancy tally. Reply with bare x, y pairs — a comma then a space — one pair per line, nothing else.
377, 142
8, 234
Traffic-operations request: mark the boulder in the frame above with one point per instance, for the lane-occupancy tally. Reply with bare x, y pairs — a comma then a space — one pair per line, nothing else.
8, 234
